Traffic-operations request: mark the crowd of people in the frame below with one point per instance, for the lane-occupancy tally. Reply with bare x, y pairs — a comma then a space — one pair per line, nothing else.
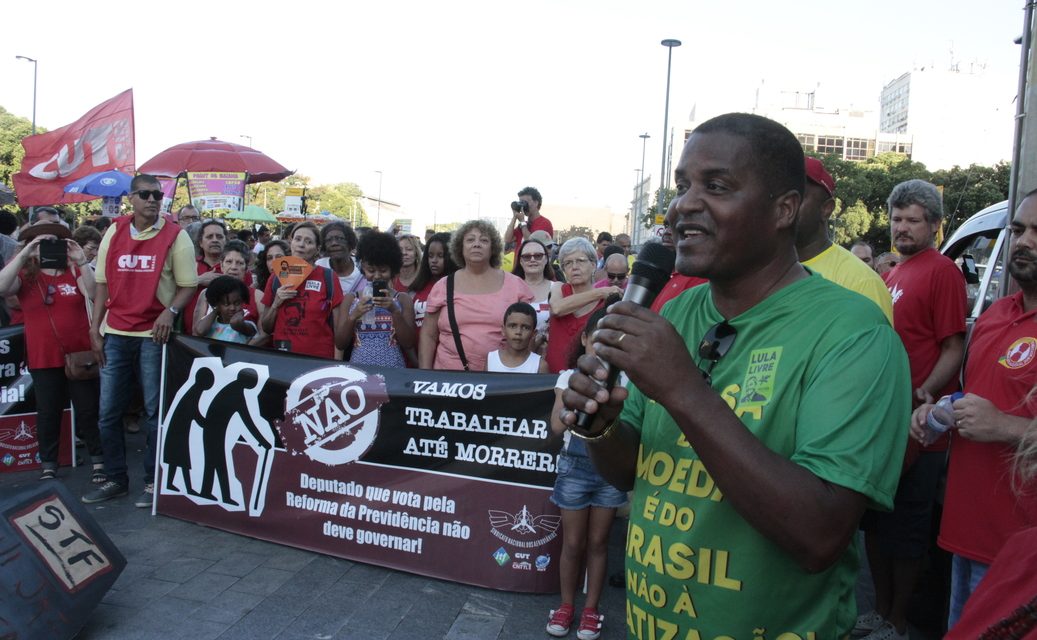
783, 409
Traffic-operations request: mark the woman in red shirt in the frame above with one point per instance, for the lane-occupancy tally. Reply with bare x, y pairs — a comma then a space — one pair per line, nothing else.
573, 301
54, 304
306, 319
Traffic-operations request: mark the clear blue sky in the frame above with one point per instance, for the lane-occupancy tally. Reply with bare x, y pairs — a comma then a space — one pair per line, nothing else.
452, 99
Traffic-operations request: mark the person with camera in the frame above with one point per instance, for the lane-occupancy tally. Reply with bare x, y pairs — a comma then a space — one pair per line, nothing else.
526, 218
54, 287
380, 323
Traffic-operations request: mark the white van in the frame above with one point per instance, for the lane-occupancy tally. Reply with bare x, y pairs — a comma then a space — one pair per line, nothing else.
978, 245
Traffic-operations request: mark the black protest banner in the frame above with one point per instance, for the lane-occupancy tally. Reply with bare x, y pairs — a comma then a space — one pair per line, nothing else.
444, 474
19, 450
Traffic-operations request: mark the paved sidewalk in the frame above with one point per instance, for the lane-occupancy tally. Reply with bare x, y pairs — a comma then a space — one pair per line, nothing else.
184, 580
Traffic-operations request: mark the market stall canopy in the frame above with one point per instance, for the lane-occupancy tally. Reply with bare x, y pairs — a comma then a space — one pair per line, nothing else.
215, 155
252, 213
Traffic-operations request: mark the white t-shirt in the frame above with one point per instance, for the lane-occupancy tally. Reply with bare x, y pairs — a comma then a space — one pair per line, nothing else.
350, 283
494, 364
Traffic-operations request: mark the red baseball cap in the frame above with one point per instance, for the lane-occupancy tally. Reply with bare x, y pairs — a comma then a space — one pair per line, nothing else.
817, 173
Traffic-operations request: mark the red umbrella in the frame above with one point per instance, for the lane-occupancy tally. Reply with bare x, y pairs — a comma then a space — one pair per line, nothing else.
215, 155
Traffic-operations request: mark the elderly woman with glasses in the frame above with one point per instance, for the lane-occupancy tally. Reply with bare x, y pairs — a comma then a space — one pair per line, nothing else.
54, 302
574, 301
481, 292
339, 242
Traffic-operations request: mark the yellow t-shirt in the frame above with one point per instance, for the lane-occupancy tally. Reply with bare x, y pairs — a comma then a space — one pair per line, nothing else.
179, 269
847, 270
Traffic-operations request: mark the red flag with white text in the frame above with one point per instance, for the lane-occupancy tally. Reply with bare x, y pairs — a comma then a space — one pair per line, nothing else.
99, 141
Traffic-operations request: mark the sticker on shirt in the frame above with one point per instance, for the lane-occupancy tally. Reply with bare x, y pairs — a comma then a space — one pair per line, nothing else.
66, 289
758, 384
314, 285
1019, 354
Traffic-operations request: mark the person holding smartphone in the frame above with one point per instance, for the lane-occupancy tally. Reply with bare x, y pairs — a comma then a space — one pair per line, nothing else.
54, 287
380, 325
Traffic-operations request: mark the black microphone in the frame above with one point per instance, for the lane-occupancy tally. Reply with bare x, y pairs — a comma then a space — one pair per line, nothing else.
648, 276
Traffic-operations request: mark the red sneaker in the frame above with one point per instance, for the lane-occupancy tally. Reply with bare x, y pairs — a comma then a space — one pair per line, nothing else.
561, 620
590, 625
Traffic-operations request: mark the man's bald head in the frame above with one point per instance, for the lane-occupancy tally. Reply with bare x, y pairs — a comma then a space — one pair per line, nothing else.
616, 263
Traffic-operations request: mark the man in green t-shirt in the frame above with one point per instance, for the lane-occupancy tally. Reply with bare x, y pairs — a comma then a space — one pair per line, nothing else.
767, 409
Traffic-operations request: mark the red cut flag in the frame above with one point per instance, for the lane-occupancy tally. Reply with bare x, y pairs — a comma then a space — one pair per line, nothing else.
100, 140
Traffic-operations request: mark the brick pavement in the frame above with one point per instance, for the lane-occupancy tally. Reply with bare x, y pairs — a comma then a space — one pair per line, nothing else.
184, 580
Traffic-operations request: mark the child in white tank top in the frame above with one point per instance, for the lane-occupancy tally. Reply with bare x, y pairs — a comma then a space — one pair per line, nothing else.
516, 355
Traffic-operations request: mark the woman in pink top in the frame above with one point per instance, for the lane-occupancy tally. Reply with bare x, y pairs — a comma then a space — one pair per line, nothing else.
482, 292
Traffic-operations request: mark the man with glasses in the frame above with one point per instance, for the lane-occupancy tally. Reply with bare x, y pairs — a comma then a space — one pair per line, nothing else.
616, 271
766, 410
186, 215
145, 277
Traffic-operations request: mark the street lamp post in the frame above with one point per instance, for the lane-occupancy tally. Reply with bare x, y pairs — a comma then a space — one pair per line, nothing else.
249, 140
669, 43
641, 184
378, 219
34, 66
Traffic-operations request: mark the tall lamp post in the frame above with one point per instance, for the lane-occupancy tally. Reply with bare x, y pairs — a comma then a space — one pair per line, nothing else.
641, 184
378, 219
34, 66
669, 43
249, 138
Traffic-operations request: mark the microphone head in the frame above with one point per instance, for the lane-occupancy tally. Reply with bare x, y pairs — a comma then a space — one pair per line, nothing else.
655, 264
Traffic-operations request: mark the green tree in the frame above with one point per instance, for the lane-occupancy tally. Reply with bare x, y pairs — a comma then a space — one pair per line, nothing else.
851, 222
648, 219
342, 200
968, 190
12, 130
574, 232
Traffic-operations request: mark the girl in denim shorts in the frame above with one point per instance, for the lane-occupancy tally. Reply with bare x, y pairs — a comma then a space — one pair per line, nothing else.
588, 506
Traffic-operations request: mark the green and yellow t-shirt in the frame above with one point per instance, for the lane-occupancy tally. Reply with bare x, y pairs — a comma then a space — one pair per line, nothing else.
819, 376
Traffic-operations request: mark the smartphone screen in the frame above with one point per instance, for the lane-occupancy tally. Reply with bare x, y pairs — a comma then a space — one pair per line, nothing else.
380, 288
53, 254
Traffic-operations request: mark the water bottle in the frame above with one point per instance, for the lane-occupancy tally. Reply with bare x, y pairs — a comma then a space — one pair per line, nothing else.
369, 316
940, 418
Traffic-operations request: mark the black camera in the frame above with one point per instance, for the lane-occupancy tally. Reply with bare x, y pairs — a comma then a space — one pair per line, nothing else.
520, 205
53, 254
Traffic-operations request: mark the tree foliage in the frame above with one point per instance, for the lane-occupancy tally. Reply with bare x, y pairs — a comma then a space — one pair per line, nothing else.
574, 232
862, 188
867, 185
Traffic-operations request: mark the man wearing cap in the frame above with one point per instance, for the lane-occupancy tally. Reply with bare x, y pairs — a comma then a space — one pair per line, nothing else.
145, 276
817, 251
522, 225
929, 305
